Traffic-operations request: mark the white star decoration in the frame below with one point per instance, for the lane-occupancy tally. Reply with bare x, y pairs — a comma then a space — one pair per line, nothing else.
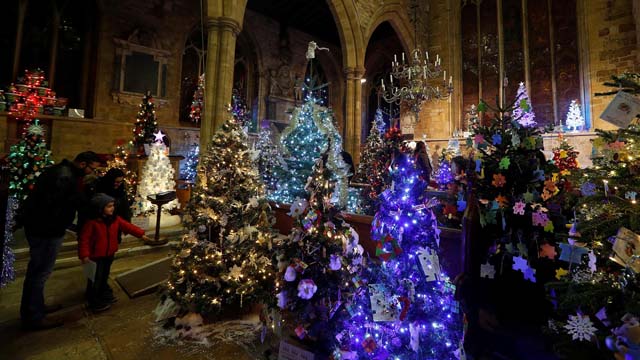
159, 136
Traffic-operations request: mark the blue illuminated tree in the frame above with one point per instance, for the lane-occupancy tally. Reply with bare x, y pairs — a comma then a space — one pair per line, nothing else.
407, 308
308, 135
268, 158
190, 167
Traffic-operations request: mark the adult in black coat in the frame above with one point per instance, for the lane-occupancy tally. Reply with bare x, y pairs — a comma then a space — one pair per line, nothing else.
47, 212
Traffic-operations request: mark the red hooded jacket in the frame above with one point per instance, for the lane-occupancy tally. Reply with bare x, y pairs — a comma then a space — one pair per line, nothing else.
100, 239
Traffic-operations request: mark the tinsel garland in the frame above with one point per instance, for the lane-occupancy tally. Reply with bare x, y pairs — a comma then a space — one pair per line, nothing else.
8, 257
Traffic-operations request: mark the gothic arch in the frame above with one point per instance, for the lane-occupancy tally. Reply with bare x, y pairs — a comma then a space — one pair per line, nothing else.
397, 17
351, 39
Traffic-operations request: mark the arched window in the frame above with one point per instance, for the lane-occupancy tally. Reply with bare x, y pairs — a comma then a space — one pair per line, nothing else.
193, 59
315, 77
537, 43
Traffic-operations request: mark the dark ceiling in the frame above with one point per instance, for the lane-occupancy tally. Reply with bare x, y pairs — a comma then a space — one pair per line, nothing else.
311, 16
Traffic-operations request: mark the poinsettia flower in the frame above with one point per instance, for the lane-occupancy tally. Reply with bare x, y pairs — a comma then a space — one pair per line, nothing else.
498, 180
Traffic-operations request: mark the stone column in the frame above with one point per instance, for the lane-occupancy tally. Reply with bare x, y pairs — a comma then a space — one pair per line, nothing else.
353, 112
222, 34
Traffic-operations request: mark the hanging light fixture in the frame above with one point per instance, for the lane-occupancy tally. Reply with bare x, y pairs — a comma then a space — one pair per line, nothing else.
416, 80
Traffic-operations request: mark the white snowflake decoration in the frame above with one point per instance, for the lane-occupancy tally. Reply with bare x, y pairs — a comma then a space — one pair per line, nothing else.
580, 327
35, 129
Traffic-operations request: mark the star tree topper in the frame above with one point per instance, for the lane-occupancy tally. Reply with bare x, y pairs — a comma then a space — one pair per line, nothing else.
159, 136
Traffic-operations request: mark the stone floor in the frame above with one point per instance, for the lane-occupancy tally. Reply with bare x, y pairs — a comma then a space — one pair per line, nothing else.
123, 332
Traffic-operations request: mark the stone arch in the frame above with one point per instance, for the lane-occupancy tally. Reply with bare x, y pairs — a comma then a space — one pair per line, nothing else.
351, 39
396, 15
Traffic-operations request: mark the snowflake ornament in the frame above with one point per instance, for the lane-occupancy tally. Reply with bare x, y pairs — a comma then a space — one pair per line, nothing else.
580, 327
518, 208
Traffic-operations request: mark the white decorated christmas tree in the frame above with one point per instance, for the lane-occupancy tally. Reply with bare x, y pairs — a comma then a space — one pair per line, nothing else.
575, 120
523, 113
157, 176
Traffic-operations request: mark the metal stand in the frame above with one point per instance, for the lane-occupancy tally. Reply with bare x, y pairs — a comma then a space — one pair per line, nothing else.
159, 200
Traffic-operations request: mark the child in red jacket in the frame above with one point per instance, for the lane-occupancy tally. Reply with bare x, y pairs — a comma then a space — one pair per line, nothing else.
98, 242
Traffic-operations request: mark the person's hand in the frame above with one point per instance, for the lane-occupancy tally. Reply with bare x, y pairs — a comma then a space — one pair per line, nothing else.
145, 238
85, 260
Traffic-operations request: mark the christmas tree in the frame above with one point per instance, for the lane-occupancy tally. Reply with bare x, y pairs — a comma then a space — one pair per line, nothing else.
156, 177
190, 166
523, 113
224, 261
269, 158
407, 309
319, 264
575, 120
598, 282
516, 195
146, 123
27, 159
198, 101
373, 164
239, 109
597, 296
310, 132
565, 157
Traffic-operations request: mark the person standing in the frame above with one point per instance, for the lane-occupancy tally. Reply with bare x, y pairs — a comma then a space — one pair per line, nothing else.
421, 159
48, 211
98, 243
113, 184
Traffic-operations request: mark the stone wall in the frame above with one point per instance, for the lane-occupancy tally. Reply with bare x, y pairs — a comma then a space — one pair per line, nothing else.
612, 48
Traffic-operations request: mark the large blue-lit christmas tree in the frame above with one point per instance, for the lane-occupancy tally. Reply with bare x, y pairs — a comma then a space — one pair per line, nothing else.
407, 310
308, 135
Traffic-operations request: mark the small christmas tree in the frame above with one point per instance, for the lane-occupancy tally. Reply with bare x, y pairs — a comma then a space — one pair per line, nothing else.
198, 101
225, 260
269, 158
190, 166
239, 109
575, 120
373, 164
565, 157
407, 309
320, 263
523, 113
146, 123
157, 176
27, 159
